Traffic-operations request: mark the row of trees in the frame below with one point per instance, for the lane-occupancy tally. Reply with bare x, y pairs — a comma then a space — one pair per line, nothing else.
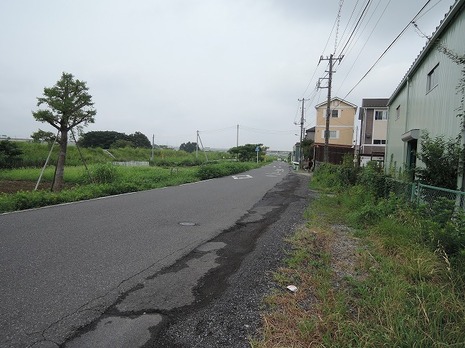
111, 139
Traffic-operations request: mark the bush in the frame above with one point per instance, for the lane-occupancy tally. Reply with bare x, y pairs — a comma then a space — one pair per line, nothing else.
335, 176
373, 179
104, 173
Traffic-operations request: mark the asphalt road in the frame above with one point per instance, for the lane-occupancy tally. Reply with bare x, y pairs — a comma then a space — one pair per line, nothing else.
62, 267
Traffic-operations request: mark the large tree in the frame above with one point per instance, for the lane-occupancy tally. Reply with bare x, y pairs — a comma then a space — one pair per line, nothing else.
248, 153
188, 147
108, 139
68, 105
140, 140
103, 139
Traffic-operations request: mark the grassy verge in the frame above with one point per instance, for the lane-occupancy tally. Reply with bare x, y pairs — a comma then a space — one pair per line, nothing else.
396, 291
106, 179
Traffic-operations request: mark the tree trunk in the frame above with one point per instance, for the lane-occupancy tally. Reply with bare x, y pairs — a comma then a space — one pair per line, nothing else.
60, 170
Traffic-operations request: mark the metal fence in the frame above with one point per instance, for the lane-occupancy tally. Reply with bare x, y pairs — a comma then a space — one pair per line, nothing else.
422, 194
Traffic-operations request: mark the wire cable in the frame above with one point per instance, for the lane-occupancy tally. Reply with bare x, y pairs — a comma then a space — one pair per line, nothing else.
388, 48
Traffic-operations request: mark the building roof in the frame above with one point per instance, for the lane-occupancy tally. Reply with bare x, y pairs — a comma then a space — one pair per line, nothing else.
338, 99
455, 9
375, 102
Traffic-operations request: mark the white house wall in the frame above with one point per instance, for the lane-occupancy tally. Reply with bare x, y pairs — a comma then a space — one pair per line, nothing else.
434, 111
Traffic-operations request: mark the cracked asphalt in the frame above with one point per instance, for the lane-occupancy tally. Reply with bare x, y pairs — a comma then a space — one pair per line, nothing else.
177, 267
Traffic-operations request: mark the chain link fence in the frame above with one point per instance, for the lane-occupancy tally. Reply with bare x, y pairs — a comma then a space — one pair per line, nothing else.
422, 194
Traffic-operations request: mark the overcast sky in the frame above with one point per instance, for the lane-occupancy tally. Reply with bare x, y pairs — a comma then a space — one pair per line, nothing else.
172, 67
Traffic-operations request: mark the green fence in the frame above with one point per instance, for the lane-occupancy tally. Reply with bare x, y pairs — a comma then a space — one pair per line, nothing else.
424, 194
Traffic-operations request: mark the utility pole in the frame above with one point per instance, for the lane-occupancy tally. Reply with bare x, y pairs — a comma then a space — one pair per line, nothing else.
153, 147
302, 120
197, 146
331, 60
237, 136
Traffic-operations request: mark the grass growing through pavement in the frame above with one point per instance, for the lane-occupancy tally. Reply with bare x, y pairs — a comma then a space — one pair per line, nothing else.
400, 292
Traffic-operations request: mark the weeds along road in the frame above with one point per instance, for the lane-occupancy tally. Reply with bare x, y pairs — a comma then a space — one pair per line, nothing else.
112, 272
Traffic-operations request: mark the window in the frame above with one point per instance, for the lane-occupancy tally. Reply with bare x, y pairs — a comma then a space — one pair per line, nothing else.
432, 79
379, 142
333, 134
380, 115
397, 112
335, 113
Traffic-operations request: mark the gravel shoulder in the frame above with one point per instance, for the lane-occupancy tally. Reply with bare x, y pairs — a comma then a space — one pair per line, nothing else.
229, 299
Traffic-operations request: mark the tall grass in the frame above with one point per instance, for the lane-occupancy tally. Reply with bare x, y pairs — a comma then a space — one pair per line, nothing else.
399, 291
34, 155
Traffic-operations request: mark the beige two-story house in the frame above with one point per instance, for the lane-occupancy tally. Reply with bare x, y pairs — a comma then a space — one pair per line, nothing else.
341, 129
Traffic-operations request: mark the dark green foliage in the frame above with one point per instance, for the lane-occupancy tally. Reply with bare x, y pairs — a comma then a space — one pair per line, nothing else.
443, 225
440, 223
68, 104
43, 136
10, 154
307, 147
121, 143
112, 139
373, 178
103, 139
441, 159
247, 153
188, 147
139, 140
104, 173
335, 176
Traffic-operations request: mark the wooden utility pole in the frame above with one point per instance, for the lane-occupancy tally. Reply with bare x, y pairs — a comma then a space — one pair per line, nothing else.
331, 60
302, 120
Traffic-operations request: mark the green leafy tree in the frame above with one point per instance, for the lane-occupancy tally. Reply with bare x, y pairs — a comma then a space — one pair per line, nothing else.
440, 157
103, 139
139, 140
10, 154
307, 148
120, 143
42, 136
68, 105
188, 147
246, 153
108, 139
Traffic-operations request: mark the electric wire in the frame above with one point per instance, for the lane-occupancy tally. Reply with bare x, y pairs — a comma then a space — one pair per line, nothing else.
360, 33
348, 22
364, 45
387, 49
357, 24
324, 49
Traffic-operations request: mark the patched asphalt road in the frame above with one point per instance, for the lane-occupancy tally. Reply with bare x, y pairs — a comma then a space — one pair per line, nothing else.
177, 267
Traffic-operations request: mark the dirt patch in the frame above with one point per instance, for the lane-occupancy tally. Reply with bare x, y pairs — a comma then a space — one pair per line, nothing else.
344, 254
13, 186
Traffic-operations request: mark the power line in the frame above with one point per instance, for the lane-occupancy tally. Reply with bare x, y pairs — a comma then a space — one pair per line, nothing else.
338, 20
366, 42
388, 48
362, 15
348, 22
324, 49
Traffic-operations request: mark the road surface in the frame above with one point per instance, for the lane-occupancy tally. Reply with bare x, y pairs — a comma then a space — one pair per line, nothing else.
63, 267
